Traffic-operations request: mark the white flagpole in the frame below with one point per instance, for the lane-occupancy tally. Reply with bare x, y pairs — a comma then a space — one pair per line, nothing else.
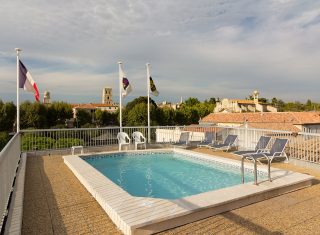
148, 91
18, 101
120, 94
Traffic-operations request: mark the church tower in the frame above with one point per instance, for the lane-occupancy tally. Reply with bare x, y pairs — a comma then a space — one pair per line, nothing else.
107, 95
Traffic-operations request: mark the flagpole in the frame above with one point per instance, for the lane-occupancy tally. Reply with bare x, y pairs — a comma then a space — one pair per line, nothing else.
18, 101
120, 95
148, 91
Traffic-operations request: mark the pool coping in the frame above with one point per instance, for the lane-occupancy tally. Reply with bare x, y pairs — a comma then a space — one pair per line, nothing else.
141, 215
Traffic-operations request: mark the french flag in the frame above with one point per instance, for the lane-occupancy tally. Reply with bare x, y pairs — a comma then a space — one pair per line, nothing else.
26, 82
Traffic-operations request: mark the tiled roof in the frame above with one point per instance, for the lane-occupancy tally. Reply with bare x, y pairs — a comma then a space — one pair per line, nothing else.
275, 126
268, 117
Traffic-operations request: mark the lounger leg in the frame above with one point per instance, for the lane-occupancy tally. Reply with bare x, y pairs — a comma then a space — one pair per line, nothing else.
242, 169
269, 170
255, 172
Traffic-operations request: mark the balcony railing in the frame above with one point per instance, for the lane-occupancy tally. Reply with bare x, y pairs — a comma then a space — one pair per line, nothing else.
304, 146
9, 160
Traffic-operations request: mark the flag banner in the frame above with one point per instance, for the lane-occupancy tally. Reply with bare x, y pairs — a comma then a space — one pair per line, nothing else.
153, 89
26, 82
126, 87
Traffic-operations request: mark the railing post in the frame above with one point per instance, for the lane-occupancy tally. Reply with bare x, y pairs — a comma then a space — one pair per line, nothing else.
246, 135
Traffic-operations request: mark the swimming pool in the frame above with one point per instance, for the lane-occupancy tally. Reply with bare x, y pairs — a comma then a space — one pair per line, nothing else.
152, 213
167, 175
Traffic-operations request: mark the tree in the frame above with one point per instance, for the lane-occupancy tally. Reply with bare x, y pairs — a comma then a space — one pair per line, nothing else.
137, 116
274, 101
135, 112
58, 113
280, 105
7, 116
191, 101
204, 109
104, 118
83, 117
309, 105
212, 100
167, 116
141, 99
4, 139
100, 117
33, 115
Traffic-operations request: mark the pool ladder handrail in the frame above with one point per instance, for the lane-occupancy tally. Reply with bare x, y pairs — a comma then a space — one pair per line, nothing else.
255, 171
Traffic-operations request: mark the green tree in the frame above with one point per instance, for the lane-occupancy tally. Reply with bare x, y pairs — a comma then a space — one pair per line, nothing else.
104, 118
58, 113
274, 101
83, 117
294, 107
212, 100
137, 116
33, 115
135, 112
4, 139
191, 101
204, 109
7, 116
167, 116
309, 105
280, 105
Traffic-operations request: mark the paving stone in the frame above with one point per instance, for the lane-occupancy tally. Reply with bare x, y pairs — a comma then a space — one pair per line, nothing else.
56, 203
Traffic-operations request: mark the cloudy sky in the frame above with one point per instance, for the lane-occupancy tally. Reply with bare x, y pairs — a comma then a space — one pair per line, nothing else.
217, 48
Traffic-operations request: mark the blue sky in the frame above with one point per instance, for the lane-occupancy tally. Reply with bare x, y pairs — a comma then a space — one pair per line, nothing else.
222, 48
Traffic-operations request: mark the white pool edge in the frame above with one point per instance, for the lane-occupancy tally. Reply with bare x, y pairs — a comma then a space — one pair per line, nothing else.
140, 215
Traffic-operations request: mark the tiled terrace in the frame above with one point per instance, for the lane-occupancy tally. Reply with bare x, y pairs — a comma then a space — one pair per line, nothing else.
56, 203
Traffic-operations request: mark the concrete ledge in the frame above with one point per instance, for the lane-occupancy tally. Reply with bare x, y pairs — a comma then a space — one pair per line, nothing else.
14, 222
142, 215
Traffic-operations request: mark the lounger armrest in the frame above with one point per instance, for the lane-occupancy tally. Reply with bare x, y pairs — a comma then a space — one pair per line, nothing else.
262, 151
277, 154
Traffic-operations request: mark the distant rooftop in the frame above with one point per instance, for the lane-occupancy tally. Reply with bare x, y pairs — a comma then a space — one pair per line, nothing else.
92, 105
267, 120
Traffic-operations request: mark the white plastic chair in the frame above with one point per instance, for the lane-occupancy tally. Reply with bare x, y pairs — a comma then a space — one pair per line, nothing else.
123, 140
139, 139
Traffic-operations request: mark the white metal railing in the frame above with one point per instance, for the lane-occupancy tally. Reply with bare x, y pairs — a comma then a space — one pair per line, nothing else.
304, 146
9, 158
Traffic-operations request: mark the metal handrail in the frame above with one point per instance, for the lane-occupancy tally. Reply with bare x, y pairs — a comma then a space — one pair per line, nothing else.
9, 159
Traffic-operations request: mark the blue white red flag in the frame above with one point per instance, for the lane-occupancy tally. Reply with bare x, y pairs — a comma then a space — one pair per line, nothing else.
26, 82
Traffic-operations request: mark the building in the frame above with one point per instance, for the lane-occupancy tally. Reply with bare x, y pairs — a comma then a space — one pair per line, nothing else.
239, 106
106, 105
107, 95
166, 104
46, 98
92, 107
287, 121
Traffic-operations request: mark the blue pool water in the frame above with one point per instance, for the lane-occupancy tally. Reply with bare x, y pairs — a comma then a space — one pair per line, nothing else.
165, 175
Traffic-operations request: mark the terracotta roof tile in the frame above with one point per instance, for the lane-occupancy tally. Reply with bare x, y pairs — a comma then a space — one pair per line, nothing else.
276, 121
280, 117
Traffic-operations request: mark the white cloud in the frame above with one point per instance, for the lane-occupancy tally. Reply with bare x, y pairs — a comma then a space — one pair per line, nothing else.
224, 48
